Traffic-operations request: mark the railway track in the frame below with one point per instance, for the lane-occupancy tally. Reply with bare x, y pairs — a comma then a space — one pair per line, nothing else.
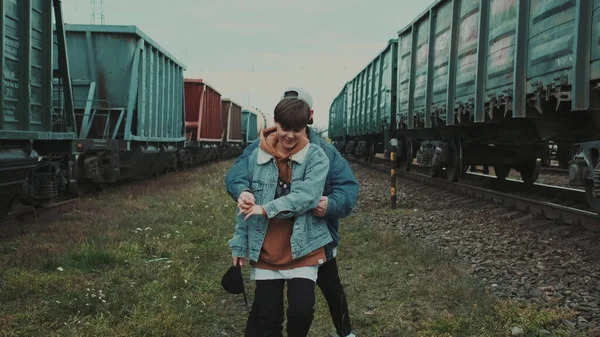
25, 214
511, 194
555, 170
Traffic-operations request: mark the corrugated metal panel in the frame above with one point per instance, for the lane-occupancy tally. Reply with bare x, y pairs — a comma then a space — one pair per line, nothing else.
466, 59
231, 115
125, 85
551, 37
441, 60
404, 68
420, 73
337, 115
249, 125
252, 127
202, 111
26, 106
595, 67
371, 98
525, 48
501, 48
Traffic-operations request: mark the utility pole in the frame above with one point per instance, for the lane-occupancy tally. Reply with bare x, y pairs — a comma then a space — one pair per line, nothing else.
93, 4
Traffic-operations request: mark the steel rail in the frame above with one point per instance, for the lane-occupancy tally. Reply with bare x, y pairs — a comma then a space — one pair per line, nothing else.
544, 209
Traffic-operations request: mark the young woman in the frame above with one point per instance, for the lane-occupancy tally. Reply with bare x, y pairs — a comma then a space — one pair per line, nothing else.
280, 236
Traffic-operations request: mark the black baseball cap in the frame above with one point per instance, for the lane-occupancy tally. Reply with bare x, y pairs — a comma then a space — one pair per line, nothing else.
233, 282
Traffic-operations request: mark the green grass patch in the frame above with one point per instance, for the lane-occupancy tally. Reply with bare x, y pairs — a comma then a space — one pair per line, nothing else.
147, 260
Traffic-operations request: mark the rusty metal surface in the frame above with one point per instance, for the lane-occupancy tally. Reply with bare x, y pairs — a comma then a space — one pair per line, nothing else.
231, 117
202, 111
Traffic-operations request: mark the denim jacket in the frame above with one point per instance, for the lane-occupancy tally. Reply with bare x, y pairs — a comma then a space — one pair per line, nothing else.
309, 172
341, 187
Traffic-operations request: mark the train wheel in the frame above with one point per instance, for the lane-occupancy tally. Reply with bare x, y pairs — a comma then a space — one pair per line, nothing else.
455, 161
501, 171
530, 171
405, 163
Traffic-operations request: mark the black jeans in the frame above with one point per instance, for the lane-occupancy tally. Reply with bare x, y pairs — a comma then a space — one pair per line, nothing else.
333, 291
266, 317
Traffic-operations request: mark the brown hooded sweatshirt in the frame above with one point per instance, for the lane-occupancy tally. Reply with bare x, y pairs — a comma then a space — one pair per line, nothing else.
276, 251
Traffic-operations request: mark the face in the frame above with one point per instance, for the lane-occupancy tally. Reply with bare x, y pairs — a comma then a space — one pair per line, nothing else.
289, 138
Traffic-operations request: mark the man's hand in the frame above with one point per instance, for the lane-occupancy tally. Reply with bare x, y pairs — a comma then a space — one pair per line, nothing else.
246, 201
321, 207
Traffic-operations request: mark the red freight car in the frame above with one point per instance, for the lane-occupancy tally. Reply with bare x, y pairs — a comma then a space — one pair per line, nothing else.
231, 115
202, 111
203, 127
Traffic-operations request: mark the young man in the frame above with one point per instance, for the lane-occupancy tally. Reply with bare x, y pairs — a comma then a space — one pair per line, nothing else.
339, 197
281, 236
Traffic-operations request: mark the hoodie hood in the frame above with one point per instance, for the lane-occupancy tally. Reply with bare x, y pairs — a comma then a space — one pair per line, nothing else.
269, 142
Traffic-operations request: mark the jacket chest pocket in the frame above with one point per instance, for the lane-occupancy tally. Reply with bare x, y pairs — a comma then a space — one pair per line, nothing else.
260, 189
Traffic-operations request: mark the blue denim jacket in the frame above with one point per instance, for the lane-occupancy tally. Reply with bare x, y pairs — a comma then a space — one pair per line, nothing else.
341, 187
309, 171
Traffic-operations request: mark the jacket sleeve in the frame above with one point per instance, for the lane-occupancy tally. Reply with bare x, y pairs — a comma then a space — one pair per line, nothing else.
345, 189
239, 243
237, 179
305, 194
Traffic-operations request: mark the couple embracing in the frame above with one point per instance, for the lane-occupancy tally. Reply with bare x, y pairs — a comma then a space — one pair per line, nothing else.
291, 187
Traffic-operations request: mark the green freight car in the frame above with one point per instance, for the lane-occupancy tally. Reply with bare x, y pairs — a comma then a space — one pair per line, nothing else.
338, 119
32, 133
128, 100
249, 126
371, 118
497, 82
494, 82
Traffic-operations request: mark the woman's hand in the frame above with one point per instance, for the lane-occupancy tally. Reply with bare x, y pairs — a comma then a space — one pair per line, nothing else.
241, 260
254, 210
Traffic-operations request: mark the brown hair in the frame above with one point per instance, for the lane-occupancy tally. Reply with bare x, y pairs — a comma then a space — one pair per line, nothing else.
292, 114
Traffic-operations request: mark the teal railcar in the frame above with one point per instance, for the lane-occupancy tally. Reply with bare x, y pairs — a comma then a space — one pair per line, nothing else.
128, 99
371, 113
337, 119
28, 124
494, 83
249, 126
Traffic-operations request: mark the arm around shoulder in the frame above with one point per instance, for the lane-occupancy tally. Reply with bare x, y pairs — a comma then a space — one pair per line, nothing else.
344, 189
237, 179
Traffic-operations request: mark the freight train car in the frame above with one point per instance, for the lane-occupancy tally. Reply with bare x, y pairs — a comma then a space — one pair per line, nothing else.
30, 166
128, 99
231, 116
494, 83
249, 125
337, 121
203, 123
371, 100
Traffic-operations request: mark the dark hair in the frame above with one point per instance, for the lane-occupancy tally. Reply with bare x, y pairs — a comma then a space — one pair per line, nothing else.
292, 114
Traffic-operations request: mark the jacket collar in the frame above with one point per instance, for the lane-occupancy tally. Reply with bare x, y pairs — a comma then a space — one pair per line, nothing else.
264, 157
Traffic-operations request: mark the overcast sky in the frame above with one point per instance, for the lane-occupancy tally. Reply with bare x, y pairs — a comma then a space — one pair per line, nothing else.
251, 50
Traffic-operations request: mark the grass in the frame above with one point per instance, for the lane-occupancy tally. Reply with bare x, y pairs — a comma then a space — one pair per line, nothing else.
146, 260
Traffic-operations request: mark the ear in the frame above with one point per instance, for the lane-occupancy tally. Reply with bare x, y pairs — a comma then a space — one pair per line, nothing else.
312, 112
